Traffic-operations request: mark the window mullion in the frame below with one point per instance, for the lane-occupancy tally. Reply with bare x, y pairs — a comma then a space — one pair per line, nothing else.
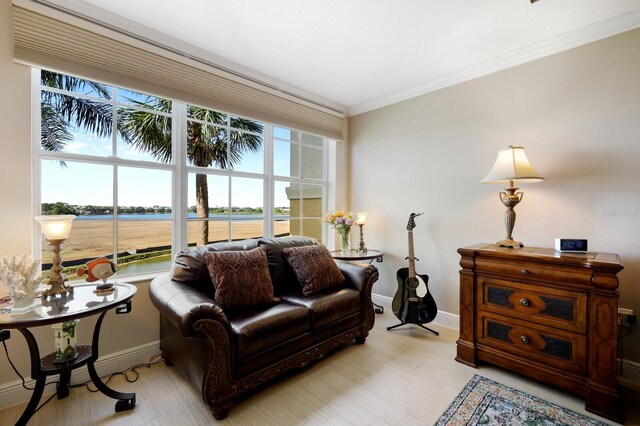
114, 154
268, 187
229, 208
36, 175
180, 177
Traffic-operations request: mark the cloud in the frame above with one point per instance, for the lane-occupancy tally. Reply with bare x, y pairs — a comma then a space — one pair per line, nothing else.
74, 147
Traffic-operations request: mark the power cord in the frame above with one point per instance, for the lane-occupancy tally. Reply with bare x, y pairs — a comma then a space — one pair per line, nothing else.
124, 373
24, 384
624, 329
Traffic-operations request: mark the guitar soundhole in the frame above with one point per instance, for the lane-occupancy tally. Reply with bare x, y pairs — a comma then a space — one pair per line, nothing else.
412, 283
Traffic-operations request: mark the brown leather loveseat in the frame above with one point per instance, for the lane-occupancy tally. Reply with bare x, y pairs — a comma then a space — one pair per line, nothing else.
224, 354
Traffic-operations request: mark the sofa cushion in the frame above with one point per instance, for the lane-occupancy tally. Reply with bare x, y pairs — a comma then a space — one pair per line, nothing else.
241, 278
328, 306
261, 328
314, 267
190, 268
283, 278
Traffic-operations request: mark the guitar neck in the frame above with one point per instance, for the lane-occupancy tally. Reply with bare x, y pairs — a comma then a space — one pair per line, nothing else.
412, 262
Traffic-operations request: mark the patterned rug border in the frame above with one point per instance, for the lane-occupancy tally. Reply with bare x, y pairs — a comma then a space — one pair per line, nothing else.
449, 414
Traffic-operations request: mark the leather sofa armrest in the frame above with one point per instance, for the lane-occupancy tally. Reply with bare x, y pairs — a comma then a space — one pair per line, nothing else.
183, 305
360, 276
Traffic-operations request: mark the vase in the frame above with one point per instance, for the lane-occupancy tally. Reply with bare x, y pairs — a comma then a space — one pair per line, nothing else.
345, 243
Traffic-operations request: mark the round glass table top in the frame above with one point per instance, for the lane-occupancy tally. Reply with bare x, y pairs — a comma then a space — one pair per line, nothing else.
356, 255
83, 301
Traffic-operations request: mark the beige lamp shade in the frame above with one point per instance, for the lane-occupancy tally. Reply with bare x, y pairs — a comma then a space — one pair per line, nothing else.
511, 165
56, 227
361, 218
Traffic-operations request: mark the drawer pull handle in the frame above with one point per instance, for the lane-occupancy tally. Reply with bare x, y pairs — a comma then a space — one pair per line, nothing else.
524, 339
525, 302
525, 272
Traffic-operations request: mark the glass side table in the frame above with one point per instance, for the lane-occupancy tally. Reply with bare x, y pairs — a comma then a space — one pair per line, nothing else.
82, 302
354, 256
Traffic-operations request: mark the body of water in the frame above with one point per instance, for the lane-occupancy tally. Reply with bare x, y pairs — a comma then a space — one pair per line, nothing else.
169, 216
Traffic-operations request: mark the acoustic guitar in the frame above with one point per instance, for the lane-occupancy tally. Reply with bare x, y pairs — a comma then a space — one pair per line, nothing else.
412, 303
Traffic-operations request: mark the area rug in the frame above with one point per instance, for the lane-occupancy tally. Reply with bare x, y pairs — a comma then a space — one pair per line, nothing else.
485, 402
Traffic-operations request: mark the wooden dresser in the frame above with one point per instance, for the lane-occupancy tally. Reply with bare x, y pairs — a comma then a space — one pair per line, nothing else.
547, 315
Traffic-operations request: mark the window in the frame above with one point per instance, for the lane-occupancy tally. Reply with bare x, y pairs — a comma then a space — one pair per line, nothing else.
300, 189
228, 206
93, 164
147, 176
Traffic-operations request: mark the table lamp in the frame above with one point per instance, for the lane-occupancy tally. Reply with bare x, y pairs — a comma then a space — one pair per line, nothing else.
510, 166
56, 230
360, 220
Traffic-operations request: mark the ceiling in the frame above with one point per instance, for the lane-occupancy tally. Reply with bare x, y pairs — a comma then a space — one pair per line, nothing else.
358, 55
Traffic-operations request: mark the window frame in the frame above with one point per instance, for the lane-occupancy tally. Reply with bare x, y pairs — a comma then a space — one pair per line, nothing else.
179, 168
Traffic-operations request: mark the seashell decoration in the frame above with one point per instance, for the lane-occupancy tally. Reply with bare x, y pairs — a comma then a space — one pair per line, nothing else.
18, 275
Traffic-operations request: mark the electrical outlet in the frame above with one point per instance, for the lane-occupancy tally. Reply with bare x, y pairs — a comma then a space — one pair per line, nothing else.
4, 335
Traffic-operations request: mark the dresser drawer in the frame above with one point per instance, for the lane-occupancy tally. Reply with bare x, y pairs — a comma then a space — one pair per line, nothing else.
527, 270
564, 309
560, 349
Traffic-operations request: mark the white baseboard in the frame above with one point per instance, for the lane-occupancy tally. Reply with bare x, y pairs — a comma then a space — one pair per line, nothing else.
444, 319
13, 393
630, 372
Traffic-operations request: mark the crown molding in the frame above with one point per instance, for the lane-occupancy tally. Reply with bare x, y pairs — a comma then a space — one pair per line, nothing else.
563, 42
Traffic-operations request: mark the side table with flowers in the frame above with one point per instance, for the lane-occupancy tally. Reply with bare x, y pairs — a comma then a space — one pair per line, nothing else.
341, 221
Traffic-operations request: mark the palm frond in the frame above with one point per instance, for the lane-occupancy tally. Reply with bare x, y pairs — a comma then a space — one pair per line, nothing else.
72, 84
247, 125
146, 131
207, 115
54, 130
158, 104
94, 116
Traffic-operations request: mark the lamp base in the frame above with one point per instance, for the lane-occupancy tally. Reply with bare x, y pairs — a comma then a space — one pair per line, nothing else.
57, 289
508, 243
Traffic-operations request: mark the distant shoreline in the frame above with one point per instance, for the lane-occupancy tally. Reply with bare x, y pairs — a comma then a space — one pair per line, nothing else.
169, 216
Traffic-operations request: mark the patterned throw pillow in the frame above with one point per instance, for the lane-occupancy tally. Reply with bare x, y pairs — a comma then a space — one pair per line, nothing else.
240, 278
314, 267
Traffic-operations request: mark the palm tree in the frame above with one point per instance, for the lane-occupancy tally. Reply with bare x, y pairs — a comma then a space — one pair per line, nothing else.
151, 133
60, 112
207, 145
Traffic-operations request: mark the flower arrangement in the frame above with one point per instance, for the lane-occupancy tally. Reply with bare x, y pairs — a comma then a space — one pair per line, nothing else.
341, 221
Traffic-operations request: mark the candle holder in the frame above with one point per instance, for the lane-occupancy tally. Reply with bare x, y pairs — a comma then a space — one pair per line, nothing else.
362, 218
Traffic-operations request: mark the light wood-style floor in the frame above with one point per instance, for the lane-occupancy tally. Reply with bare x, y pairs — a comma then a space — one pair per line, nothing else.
401, 377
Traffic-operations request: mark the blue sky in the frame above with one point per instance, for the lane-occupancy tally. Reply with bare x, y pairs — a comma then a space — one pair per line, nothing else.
89, 183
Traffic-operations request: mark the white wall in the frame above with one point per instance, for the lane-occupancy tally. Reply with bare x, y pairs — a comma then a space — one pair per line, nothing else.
16, 223
576, 113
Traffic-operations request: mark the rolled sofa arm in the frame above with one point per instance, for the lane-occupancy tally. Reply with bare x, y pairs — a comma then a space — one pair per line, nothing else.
360, 276
182, 305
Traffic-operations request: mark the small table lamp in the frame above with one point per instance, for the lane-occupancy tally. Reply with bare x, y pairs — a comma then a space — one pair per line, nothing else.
56, 230
360, 220
510, 166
